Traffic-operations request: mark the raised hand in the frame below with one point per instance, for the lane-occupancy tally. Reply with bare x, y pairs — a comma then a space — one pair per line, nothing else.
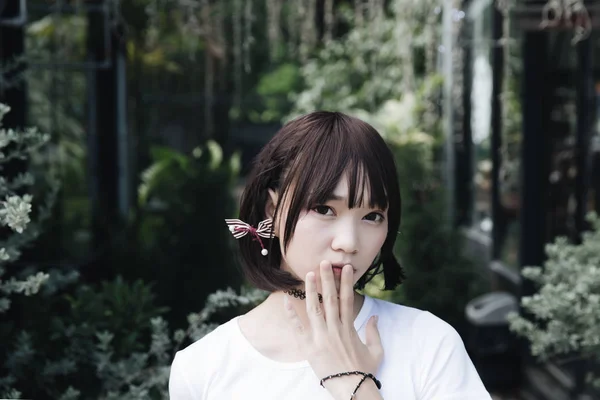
331, 344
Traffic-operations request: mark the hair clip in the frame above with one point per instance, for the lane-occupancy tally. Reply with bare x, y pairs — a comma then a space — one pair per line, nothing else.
240, 229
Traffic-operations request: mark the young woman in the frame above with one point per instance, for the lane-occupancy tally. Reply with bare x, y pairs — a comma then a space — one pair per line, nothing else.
318, 219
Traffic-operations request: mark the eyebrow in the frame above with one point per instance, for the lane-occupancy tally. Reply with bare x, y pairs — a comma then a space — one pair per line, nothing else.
335, 197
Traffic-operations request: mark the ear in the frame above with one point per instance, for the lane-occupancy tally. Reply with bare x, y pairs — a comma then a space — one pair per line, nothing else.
271, 204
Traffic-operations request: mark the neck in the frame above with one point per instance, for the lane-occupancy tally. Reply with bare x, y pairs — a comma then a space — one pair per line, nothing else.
275, 303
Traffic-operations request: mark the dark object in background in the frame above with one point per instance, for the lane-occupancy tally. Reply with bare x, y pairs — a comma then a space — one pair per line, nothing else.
492, 347
2, 5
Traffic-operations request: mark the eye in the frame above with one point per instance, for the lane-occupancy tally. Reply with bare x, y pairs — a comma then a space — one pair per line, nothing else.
323, 210
375, 217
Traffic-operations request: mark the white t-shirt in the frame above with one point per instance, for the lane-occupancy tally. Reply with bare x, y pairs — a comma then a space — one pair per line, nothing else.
425, 359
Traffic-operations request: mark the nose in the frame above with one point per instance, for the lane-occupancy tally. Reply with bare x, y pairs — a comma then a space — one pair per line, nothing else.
345, 238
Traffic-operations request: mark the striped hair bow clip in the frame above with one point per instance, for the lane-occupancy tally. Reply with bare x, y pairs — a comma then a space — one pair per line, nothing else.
240, 229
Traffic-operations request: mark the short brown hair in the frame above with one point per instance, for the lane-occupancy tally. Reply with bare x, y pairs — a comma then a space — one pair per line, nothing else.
312, 152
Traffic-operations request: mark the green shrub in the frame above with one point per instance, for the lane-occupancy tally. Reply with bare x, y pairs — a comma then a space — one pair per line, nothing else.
561, 319
183, 244
92, 350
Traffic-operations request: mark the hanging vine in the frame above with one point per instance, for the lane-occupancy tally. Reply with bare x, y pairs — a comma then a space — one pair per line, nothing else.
431, 40
328, 20
510, 112
293, 29
458, 66
248, 37
274, 8
208, 72
358, 13
310, 24
221, 40
302, 24
376, 10
237, 52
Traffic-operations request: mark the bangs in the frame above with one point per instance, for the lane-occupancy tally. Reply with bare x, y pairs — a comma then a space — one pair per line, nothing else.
341, 147
366, 187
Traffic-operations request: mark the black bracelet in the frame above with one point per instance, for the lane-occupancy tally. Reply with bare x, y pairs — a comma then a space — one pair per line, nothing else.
364, 377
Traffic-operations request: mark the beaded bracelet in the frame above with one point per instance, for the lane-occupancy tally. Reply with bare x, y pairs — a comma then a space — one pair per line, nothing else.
364, 377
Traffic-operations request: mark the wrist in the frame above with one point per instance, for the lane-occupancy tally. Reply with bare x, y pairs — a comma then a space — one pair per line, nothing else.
341, 388
367, 391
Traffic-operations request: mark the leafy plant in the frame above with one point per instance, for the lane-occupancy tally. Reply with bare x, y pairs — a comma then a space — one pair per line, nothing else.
56, 342
180, 228
561, 319
17, 183
16, 208
82, 358
116, 306
274, 88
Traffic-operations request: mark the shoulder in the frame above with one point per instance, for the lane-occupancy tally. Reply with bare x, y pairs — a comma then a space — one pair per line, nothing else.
418, 323
441, 365
209, 343
193, 366
428, 336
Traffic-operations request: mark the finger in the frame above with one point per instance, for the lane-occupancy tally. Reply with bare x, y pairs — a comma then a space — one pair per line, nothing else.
347, 296
294, 319
313, 306
372, 338
330, 295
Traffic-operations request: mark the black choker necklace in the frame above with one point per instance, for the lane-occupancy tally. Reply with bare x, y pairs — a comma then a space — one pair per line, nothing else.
301, 294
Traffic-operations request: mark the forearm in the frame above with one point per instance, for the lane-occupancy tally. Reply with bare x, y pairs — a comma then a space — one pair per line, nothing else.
341, 388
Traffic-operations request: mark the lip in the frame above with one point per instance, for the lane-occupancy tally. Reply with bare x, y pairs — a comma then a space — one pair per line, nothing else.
341, 265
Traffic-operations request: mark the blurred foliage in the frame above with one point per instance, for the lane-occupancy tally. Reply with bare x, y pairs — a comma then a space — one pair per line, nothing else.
118, 307
273, 90
57, 100
439, 278
106, 340
561, 320
372, 63
21, 222
182, 240
57, 345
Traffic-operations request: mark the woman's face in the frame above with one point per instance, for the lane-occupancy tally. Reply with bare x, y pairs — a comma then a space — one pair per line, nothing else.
335, 233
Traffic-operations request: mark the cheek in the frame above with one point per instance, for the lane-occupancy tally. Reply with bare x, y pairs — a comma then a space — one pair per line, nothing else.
308, 246
374, 242
309, 234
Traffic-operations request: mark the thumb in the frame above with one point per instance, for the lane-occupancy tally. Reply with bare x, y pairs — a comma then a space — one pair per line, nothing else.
372, 338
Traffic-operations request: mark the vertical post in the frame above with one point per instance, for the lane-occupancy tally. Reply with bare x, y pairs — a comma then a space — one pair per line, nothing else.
585, 101
108, 144
498, 54
534, 153
594, 168
123, 144
12, 47
13, 87
464, 145
449, 167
